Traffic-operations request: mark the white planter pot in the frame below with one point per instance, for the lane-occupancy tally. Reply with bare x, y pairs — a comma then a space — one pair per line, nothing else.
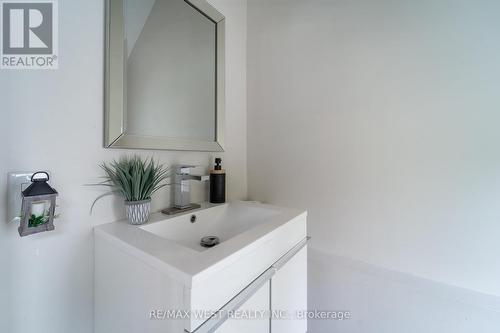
137, 212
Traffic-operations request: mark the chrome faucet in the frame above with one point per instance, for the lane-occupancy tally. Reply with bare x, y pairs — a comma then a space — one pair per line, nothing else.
182, 193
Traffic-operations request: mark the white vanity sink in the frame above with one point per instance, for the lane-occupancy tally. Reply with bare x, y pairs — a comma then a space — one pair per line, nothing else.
161, 265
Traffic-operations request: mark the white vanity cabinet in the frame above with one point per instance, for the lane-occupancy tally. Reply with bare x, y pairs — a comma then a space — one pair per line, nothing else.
254, 281
272, 303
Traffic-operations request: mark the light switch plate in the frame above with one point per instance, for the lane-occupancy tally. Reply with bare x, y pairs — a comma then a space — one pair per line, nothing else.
16, 182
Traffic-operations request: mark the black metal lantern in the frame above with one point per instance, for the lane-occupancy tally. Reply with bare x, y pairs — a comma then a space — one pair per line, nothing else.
39, 205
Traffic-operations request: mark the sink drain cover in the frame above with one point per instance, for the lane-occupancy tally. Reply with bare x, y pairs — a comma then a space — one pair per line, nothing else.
209, 241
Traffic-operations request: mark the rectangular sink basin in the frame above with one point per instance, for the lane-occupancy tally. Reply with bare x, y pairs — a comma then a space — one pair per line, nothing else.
224, 222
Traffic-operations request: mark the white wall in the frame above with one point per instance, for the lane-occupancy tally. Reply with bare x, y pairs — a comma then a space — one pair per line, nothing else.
53, 120
5, 251
381, 118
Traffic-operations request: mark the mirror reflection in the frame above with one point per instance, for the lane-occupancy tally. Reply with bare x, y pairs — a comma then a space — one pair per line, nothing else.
171, 61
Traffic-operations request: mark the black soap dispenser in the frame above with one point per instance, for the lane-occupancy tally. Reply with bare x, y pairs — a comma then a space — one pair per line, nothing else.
218, 183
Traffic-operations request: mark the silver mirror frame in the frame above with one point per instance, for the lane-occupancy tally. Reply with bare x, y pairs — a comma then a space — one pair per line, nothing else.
115, 135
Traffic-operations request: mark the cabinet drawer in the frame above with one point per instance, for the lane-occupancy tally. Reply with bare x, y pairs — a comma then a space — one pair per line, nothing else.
289, 295
256, 309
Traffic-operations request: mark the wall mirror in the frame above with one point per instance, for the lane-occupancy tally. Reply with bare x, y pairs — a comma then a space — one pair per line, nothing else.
164, 75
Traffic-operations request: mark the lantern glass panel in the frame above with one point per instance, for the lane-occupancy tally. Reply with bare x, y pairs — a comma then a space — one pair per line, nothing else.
39, 213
